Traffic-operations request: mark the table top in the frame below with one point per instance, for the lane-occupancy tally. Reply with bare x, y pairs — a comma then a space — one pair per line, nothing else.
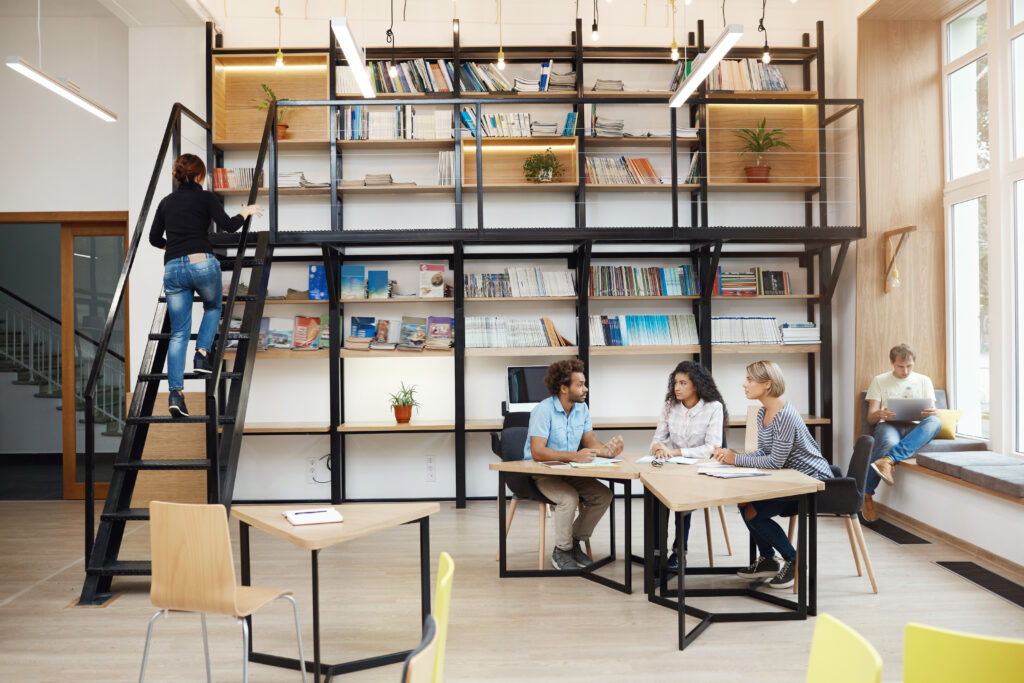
627, 469
683, 488
361, 519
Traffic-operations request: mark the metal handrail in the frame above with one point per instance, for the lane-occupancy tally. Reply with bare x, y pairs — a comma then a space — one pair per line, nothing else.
49, 317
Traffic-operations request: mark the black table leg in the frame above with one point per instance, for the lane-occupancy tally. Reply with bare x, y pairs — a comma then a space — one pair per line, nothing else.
680, 580
812, 554
424, 568
314, 554
611, 521
648, 543
502, 569
801, 558
243, 542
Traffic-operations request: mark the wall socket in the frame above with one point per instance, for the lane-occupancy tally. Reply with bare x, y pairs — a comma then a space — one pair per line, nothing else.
430, 474
311, 470
317, 471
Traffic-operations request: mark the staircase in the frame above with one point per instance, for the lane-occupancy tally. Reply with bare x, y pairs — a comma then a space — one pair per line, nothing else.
226, 395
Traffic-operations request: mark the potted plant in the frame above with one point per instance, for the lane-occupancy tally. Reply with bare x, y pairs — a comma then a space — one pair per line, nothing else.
757, 141
402, 402
543, 167
268, 98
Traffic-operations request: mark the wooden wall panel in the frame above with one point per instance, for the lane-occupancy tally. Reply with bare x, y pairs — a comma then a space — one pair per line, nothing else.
726, 163
173, 442
899, 78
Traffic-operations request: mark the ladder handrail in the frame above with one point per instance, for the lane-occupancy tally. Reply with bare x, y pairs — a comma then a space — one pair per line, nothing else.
52, 319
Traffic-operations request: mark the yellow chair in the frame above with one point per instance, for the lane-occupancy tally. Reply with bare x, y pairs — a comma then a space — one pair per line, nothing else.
419, 665
442, 601
935, 655
841, 655
193, 571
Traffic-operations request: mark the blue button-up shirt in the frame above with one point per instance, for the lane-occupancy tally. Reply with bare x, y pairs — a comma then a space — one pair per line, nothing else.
563, 432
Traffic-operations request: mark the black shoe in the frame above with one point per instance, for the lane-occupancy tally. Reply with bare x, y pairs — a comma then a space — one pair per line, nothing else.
176, 405
784, 579
673, 563
562, 560
201, 364
579, 556
762, 568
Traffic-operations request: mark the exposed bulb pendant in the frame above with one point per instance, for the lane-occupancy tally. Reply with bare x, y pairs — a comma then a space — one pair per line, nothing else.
392, 70
501, 47
279, 62
389, 37
455, 25
594, 35
675, 47
675, 52
766, 57
501, 59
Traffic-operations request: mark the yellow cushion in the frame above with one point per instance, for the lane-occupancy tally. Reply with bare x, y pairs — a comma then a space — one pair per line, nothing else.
950, 419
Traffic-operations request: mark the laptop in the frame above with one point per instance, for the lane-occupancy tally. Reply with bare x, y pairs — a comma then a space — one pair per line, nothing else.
526, 387
908, 409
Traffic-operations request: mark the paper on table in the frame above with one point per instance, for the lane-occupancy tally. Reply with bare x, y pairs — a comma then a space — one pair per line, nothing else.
678, 460
731, 469
719, 474
597, 462
553, 463
313, 516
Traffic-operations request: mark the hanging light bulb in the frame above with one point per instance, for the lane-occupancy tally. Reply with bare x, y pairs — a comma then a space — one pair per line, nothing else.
766, 57
675, 47
594, 35
501, 59
455, 25
501, 47
279, 62
675, 52
393, 70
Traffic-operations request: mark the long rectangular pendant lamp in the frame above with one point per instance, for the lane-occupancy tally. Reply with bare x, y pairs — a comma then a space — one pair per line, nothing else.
66, 90
353, 55
704, 64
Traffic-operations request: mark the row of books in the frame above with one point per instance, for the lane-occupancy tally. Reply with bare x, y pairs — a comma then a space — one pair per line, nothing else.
637, 281
416, 75
446, 167
410, 333
486, 331
514, 124
621, 171
401, 122
800, 333
683, 68
359, 283
758, 282
301, 333
519, 281
745, 330
643, 330
692, 172
227, 178
746, 74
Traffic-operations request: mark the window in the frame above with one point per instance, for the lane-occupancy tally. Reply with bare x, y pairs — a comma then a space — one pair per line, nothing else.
1018, 227
967, 32
1017, 84
967, 94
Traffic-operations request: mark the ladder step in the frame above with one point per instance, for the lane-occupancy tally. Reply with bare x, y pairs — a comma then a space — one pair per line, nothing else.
121, 568
158, 376
229, 263
167, 419
167, 335
239, 298
129, 515
160, 464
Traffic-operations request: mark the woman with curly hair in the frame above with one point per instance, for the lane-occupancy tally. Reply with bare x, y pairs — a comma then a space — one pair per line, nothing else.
691, 423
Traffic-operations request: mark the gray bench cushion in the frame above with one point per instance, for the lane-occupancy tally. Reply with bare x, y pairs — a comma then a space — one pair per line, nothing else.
1006, 479
953, 463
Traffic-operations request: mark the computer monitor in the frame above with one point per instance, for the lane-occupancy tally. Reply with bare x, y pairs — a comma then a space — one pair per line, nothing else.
526, 387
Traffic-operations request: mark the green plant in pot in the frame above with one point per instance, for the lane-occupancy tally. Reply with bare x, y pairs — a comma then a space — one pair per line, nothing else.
263, 104
403, 401
758, 141
543, 167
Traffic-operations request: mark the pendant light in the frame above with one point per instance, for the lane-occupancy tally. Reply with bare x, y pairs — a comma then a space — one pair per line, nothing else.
766, 56
675, 47
279, 62
389, 36
594, 35
501, 50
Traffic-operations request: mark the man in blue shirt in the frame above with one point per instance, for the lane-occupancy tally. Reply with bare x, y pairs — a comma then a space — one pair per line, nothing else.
560, 430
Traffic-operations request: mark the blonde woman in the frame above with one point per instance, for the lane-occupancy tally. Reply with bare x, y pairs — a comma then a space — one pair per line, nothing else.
782, 442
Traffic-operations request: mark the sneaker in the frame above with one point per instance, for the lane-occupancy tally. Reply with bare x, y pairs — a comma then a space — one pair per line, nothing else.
784, 579
579, 556
885, 469
868, 512
673, 563
562, 560
201, 364
176, 405
763, 568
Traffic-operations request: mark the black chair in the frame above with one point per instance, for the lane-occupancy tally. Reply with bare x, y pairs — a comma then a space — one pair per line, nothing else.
509, 445
844, 497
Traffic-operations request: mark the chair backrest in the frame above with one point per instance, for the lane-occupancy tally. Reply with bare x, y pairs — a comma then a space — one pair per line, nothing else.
868, 428
841, 655
750, 438
419, 664
192, 565
861, 460
936, 655
442, 602
513, 436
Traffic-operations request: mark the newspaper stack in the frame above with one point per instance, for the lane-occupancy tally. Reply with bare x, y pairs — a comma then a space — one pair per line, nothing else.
373, 179
539, 129
601, 85
608, 128
526, 84
290, 179
562, 82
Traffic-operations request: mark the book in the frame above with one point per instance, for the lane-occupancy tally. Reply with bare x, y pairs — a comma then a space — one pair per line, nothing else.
261, 342
431, 281
363, 326
235, 326
413, 336
314, 516
353, 282
439, 332
376, 284
306, 333
279, 333
386, 334
325, 332
317, 282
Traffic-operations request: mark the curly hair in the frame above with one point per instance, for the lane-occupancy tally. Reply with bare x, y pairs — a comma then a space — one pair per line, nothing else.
702, 381
560, 374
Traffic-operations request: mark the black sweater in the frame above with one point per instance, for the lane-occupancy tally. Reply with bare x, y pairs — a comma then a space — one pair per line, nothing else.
185, 215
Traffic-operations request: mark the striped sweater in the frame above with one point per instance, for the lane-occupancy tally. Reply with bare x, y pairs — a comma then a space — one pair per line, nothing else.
786, 443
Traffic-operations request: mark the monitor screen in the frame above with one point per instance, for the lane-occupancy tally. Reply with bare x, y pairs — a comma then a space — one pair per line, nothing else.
526, 384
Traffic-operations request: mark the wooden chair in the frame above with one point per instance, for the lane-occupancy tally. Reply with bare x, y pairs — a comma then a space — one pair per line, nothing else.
419, 665
935, 655
193, 571
841, 655
442, 603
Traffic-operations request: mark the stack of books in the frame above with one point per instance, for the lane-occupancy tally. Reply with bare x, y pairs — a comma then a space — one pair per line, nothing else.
439, 333
605, 127
562, 82
401, 122
543, 129
228, 178
735, 284
418, 75
521, 84
746, 74
745, 330
446, 167
636, 281
601, 85
485, 77
643, 330
800, 333
513, 124
290, 179
621, 171
484, 332
519, 281
358, 343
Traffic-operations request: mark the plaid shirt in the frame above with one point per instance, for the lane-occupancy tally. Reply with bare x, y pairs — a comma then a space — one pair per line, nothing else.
695, 431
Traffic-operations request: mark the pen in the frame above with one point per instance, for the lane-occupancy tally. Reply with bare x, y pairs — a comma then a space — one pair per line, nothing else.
309, 512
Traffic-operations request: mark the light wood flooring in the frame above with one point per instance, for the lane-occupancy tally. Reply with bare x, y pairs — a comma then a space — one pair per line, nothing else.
550, 629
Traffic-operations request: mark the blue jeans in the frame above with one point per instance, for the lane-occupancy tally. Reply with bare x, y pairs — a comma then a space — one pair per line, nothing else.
181, 280
767, 534
899, 441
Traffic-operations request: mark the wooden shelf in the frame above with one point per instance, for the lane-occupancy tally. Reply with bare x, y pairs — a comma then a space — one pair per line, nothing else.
510, 94
282, 145
525, 351
764, 348
520, 298
281, 191
396, 144
502, 163
399, 189
278, 302
523, 186
764, 296
395, 353
686, 297
286, 353
762, 187
645, 350
638, 142
763, 94
399, 300
630, 187
390, 426
484, 424
625, 94
285, 427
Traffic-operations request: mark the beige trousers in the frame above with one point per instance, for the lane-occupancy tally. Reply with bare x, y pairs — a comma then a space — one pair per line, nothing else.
566, 493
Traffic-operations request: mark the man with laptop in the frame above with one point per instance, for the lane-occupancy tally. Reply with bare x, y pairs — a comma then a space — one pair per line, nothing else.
901, 405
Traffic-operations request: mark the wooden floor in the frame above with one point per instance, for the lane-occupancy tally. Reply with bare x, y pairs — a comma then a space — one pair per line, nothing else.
564, 629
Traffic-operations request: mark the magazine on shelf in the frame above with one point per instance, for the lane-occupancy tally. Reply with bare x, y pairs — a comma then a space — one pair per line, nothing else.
279, 333
377, 284
261, 342
431, 281
234, 327
317, 282
439, 332
325, 332
386, 335
353, 282
363, 326
306, 333
413, 336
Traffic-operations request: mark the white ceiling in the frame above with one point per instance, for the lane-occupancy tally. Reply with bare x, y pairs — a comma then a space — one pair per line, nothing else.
131, 12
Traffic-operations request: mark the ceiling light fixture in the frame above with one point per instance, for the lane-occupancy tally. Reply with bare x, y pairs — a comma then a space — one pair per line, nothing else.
353, 55
675, 47
501, 48
66, 89
279, 62
766, 57
389, 36
594, 35
705, 62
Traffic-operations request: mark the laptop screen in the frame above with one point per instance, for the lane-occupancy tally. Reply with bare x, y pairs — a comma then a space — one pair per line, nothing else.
526, 384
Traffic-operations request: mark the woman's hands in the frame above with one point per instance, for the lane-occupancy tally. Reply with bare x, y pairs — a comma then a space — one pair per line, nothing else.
660, 451
251, 209
726, 455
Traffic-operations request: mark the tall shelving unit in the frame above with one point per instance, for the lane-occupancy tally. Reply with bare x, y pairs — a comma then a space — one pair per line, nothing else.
806, 174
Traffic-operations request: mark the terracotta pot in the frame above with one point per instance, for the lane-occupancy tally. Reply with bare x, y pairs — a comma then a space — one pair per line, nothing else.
402, 414
757, 174
282, 131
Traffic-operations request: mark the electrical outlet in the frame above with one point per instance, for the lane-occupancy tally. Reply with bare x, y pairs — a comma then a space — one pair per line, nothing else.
431, 473
311, 470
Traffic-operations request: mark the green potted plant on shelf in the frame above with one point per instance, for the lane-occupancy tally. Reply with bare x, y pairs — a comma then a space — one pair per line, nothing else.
402, 402
543, 167
758, 141
268, 98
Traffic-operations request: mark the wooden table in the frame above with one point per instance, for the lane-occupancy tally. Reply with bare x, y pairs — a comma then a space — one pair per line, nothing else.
361, 519
683, 489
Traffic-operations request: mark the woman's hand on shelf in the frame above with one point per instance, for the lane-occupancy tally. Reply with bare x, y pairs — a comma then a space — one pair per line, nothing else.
251, 209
